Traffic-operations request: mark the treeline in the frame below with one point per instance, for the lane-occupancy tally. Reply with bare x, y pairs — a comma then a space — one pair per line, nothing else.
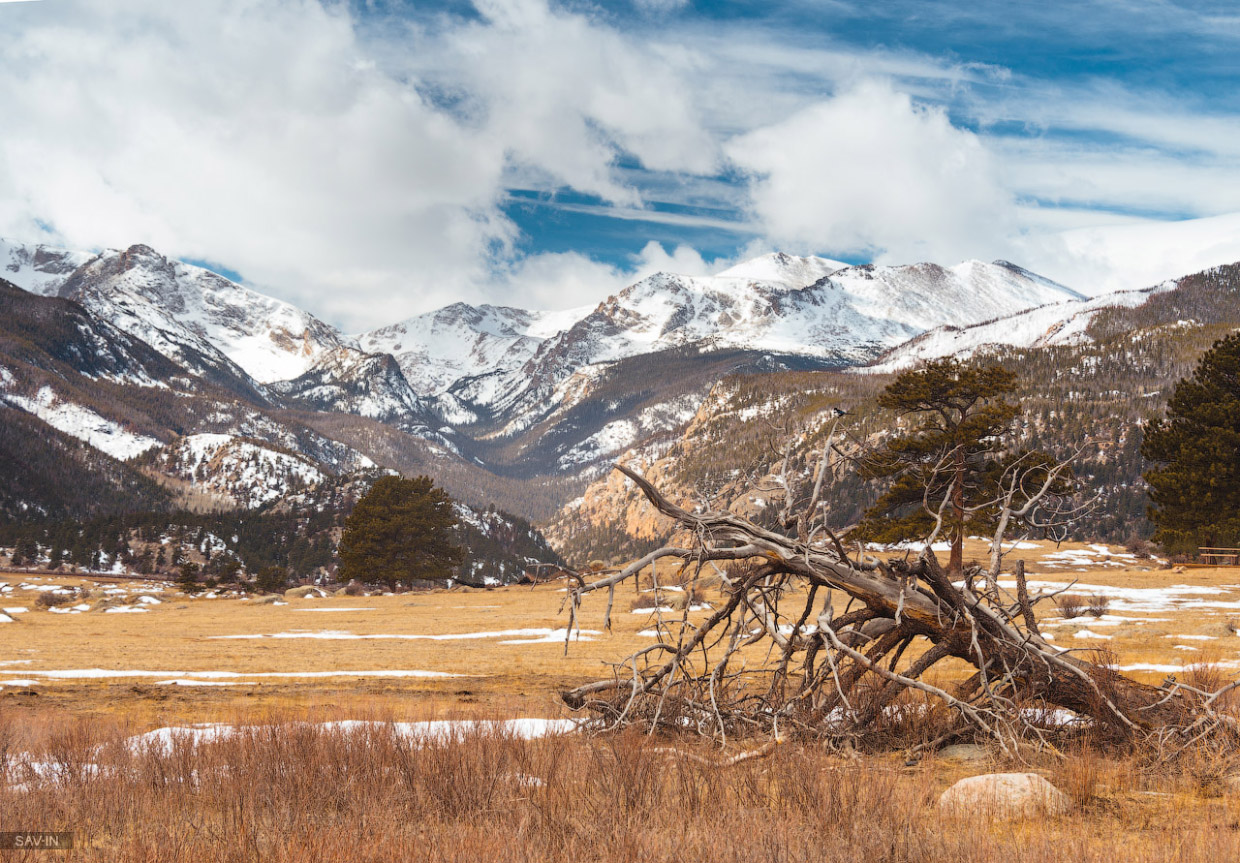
294, 539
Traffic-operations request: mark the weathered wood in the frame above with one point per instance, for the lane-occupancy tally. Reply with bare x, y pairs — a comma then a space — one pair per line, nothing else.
857, 678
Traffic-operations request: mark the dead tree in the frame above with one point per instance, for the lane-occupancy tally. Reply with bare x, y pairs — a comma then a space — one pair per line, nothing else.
776, 657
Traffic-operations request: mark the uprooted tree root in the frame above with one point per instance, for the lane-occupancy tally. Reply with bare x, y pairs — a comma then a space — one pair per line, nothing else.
772, 661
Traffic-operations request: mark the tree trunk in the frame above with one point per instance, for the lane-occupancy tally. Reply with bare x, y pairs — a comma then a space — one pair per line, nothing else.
955, 564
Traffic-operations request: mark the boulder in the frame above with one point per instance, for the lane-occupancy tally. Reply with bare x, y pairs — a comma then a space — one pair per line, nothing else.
1004, 795
270, 599
304, 591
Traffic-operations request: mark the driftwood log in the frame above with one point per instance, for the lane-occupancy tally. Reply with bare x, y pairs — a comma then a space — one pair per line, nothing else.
773, 657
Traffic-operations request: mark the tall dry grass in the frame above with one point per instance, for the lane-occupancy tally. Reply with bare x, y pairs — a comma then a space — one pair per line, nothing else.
295, 791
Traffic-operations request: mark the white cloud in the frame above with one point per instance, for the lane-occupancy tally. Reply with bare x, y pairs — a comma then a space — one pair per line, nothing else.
360, 172
1096, 259
272, 138
566, 280
870, 170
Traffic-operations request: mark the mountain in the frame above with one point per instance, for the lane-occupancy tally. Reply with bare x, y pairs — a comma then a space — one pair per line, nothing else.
184, 311
37, 268
847, 317
369, 385
233, 398
1090, 374
439, 348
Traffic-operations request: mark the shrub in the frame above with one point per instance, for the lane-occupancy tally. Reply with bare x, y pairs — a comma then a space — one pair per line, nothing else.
1070, 606
1098, 604
645, 601
47, 599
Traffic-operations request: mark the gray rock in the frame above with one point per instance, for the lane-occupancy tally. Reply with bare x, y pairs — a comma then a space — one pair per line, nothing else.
1004, 795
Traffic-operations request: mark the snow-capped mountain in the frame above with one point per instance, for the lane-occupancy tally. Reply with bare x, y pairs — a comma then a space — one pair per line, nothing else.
37, 268
187, 313
1062, 323
439, 348
369, 385
848, 316
463, 378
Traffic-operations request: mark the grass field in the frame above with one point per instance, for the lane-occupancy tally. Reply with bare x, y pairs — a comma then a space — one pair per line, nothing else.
78, 681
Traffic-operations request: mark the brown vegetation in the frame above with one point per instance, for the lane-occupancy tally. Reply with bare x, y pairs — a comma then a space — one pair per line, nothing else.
291, 791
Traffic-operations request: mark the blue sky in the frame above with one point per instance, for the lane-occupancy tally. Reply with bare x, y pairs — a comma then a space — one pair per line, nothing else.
378, 158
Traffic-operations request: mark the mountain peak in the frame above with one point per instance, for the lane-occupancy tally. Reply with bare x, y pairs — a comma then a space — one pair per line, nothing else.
784, 270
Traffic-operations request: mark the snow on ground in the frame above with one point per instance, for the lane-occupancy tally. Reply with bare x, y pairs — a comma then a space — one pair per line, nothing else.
526, 728
1085, 633
362, 608
1175, 597
1172, 669
4, 618
336, 635
109, 673
84, 424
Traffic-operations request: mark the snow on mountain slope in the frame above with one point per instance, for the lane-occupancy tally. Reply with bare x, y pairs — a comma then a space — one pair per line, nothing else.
438, 348
1053, 324
848, 317
788, 271
83, 424
240, 469
369, 385
182, 310
39, 269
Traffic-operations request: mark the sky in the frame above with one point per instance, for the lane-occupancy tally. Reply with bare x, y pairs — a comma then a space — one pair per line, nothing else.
374, 159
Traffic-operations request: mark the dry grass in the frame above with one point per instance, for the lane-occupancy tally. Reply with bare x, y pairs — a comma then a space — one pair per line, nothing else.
295, 792
182, 634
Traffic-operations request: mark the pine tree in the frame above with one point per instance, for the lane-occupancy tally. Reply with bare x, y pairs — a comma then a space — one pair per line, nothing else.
400, 531
1195, 483
943, 464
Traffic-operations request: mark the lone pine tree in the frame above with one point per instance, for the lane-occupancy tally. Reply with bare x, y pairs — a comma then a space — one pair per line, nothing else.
400, 531
949, 461
1195, 481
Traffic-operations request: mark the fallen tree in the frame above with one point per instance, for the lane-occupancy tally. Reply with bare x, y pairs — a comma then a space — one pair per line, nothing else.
777, 658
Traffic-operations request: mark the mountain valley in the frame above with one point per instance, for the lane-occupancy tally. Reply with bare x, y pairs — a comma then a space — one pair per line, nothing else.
170, 385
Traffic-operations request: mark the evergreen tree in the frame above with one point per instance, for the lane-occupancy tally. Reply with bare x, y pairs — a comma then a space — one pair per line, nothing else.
400, 531
1195, 483
271, 579
947, 462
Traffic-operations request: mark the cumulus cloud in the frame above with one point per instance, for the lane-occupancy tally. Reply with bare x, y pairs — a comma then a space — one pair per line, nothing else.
1134, 253
360, 170
870, 171
570, 279
272, 138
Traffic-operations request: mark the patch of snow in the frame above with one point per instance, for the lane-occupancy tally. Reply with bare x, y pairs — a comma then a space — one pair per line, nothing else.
83, 424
